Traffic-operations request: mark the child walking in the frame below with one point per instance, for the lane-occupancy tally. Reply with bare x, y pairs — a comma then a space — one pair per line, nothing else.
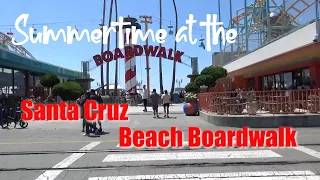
166, 102
155, 102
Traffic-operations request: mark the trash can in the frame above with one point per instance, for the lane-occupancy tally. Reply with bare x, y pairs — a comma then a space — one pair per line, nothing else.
176, 98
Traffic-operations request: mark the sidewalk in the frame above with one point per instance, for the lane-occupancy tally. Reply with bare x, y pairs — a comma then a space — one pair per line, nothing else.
138, 110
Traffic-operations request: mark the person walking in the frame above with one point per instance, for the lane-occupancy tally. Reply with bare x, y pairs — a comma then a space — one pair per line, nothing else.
166, 102
145, 97
155, 97
98, 99
88, 125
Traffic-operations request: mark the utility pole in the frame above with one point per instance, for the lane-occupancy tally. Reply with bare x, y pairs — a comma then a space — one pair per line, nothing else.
147, 20
102, 45
108, 48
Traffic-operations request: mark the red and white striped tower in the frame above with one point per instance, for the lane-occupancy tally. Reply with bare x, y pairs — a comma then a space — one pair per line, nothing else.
130, 62
130, 69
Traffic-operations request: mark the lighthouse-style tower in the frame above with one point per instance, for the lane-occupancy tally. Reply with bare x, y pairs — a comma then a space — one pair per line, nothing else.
130, 61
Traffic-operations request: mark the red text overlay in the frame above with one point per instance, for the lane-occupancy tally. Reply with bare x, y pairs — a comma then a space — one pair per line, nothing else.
64, 111
284, 137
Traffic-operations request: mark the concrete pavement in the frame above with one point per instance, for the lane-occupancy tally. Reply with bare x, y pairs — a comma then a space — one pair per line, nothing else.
55, 150
138, 110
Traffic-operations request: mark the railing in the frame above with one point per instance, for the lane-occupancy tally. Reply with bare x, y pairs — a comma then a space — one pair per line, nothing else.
261, 102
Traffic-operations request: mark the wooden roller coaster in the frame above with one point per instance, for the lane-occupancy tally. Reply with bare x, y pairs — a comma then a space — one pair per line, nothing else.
260, 4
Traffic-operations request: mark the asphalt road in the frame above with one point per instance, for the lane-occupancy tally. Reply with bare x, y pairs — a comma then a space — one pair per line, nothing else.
58, 151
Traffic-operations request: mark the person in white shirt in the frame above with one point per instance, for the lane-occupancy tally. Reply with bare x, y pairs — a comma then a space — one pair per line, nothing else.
166, 102
145, 98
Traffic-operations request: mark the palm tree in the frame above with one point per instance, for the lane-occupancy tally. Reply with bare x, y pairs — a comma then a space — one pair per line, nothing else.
108, 48
102, 45
175, 49
116, 66
160, 59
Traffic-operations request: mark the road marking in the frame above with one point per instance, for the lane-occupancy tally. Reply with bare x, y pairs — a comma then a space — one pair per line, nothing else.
309, 151
264, 175
54, 142
52, 174
184, 144
190, 155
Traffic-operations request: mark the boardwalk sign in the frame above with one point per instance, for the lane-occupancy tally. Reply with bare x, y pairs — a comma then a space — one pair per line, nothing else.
137, 50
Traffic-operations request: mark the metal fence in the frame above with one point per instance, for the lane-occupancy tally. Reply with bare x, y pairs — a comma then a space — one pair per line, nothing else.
261, 102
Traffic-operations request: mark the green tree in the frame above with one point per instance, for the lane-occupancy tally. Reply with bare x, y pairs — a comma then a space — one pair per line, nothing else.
191, 87
68, 91
216, 72
204, 80
49, 80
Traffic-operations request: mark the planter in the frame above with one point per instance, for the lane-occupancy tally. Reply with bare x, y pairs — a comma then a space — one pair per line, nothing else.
190, 109
252, 108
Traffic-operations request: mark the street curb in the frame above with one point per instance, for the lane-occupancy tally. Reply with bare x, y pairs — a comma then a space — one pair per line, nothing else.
256, 121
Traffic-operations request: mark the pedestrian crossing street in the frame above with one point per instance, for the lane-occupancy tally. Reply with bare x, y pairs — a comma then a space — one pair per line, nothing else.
139, 158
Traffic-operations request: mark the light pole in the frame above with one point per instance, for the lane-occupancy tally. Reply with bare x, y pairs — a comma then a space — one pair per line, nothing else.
102, 45
139, 85
179, 81
175, 50
98, 85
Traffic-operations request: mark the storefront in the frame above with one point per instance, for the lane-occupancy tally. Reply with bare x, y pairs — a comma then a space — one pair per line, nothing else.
18, 82
298, 69
20, 75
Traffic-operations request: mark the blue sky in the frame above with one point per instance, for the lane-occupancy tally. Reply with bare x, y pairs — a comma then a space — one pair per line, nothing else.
87, 15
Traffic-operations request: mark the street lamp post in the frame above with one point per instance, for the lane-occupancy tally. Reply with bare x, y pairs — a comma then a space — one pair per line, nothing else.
179, 81
139, 85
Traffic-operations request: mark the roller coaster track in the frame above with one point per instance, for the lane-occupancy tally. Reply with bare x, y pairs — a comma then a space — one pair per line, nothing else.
7, 40
300, 11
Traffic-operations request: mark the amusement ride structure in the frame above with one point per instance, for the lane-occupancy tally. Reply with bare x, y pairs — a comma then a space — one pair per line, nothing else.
6, 43
261, 22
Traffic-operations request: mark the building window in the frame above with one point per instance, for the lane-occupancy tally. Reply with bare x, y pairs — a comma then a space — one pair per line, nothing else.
306, 79
287, 80
37, 80
30, 80
6, 81
251, 83
265, 83
271, 84
278, 82
19, 83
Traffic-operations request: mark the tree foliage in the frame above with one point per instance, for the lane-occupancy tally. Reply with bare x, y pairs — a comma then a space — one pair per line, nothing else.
49, 80
204, 80
191, 87
216, 72
208, 77
68, 91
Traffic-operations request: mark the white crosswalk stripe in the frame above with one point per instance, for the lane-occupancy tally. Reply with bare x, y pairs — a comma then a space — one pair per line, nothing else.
266, 175
191, 155
138, 159
209, 154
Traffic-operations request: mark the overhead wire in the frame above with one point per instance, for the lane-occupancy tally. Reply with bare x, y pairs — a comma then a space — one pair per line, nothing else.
84, 24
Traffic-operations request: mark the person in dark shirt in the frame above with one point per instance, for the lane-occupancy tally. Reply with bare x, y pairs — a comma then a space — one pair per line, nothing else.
155, 98
88, 125
98, 99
